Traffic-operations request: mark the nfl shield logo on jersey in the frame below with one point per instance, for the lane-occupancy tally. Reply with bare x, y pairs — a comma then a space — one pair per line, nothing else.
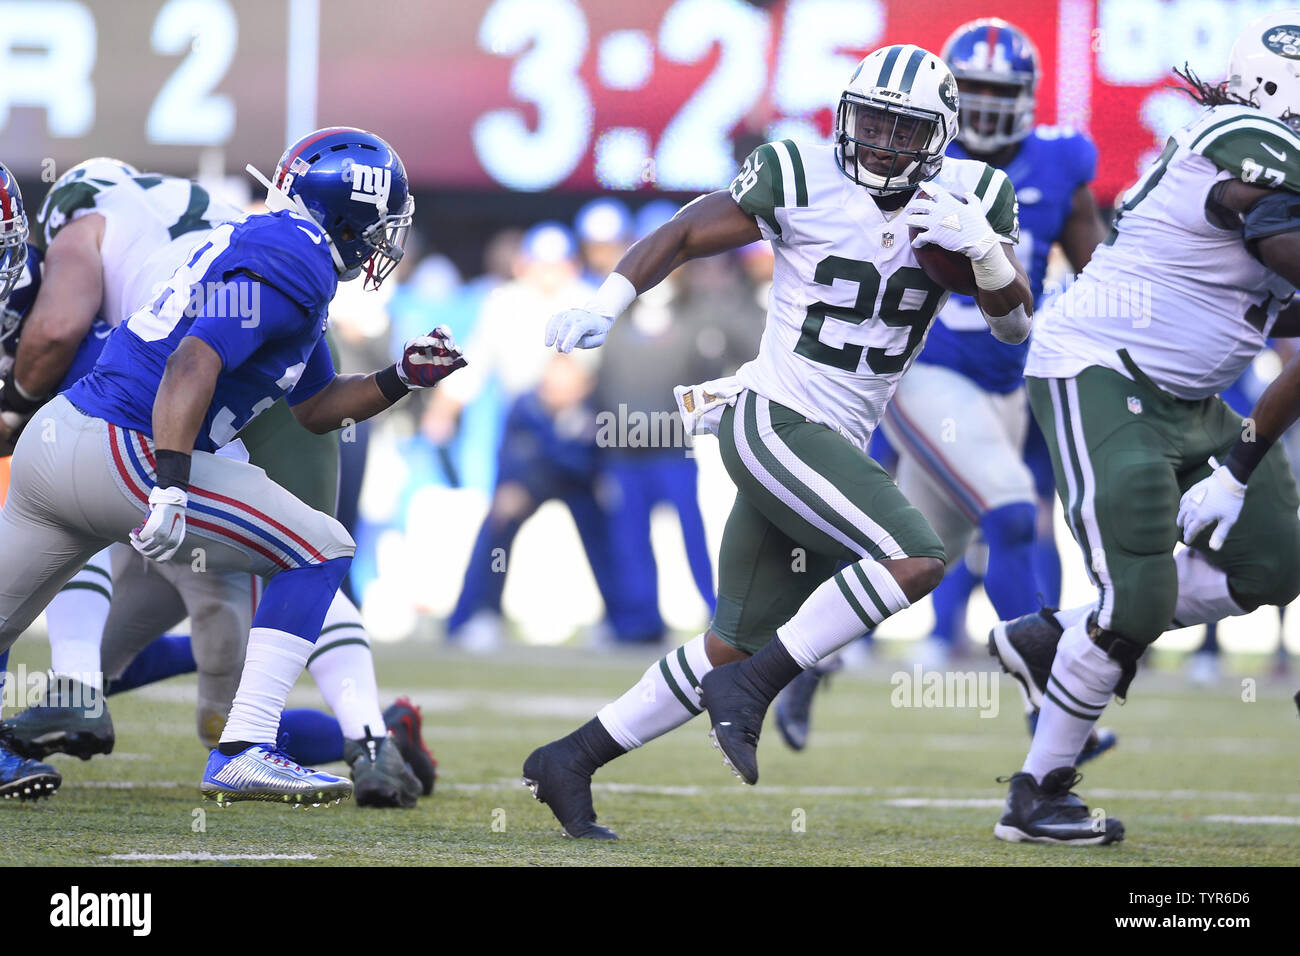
1135, 405
887, 240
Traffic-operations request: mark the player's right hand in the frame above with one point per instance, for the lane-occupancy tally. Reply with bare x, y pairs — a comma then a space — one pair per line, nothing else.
163, 530
577, 328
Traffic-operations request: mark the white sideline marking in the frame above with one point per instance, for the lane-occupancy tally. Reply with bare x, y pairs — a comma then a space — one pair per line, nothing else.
943, 802
211, 857
1231, 818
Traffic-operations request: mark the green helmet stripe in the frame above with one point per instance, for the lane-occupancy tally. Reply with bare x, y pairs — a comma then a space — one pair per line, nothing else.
909, 74
888, 67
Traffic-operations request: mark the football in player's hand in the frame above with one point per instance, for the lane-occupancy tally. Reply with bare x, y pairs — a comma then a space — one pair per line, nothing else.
950, 269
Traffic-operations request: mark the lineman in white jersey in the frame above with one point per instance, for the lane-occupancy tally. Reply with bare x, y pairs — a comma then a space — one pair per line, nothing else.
849, 310
1123, 374
133, 230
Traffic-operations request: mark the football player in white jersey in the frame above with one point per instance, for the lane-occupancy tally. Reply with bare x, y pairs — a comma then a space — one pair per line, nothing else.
1124, 372
112, 234
849, 309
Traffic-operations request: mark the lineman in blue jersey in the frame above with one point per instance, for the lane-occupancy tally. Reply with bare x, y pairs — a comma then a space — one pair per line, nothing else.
127, 452
959, 418
20, 280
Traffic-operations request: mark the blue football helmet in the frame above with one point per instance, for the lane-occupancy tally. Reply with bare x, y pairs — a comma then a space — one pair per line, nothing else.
997, 70
13, 233
354, 185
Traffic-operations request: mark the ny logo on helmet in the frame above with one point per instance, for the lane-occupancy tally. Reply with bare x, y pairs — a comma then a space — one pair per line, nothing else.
371, 184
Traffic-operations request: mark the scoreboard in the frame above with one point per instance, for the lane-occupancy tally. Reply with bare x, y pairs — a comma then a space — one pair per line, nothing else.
536, 95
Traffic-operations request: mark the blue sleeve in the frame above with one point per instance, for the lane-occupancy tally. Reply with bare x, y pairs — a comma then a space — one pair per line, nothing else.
318, 373
241, 315
1085, 159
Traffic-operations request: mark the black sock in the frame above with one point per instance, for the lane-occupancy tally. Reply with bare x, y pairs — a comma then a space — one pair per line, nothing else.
595, 746
771, 669
233, 747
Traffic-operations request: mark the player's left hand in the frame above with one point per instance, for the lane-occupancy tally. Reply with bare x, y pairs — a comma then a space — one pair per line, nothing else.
428, 359
955, 223
163, 531
1216, 499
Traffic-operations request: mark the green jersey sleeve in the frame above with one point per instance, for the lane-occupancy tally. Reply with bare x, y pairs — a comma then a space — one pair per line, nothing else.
1257, 150
998, 198
772, 178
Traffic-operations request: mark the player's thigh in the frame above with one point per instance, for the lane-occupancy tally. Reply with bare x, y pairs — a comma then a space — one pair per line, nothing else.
145, 605
1118, 486
1261, 554
238, 519
819, 489
968, 440
953, 525
764, 575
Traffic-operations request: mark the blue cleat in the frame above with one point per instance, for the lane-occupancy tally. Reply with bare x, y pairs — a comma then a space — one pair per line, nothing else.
24, 779
263, 772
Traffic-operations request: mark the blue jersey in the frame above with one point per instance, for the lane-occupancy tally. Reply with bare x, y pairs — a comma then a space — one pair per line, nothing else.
1052, 163
19, 304
258, 293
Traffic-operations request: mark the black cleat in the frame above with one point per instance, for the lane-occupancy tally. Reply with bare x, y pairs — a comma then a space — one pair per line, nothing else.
1026, 648
736, 709
794, 703
405, 723
72, 719
1051, 813
557, 778
380, 776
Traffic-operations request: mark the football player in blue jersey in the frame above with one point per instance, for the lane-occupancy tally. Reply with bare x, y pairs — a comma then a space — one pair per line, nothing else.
959, 418
128, 452
20, 280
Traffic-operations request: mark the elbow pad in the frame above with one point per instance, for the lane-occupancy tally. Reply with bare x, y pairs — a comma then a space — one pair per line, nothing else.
1273, 215
1012, 328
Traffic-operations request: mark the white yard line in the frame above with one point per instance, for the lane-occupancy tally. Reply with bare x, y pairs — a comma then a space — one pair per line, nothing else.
1231, 818
210, 857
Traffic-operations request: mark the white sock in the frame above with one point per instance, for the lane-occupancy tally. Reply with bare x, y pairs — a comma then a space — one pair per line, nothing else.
667, 696
344, 670
1083, 679
76, 619
1203, 595
272, 664
844, 607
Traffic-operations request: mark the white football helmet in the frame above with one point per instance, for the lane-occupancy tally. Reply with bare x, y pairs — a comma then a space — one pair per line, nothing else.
895, 119
1264, 67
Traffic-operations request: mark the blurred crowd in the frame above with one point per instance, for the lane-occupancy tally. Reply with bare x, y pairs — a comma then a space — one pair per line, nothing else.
596, 431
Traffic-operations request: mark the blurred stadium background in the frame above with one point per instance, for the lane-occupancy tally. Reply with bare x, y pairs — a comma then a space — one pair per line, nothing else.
512, 117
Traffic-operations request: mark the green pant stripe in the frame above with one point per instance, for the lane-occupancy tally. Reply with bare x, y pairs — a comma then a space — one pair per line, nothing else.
1074, 508
1060, 688
858, 609
871, 591
93, 569
686, 668
88, 586
321, 649
800, 180
1068, 709
677, 692
791, 483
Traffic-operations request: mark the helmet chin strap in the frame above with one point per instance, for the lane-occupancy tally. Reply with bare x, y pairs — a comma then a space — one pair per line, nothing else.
277, 200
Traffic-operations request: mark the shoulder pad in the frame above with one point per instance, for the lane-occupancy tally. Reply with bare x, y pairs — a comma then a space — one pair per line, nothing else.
287, 252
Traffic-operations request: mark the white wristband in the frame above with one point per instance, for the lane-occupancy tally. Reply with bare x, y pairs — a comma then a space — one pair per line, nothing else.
613, 297
994, 271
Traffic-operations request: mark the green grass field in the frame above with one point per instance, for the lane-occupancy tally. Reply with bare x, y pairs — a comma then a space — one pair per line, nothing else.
1200, 777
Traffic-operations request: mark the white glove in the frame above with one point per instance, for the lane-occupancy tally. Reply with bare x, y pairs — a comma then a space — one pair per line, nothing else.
955, 223
1217, 498
162, 532
577, 328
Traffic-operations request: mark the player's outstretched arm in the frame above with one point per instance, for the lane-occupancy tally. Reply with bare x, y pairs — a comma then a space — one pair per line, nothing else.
426, 360
69, 299
1005, 298
711, 224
